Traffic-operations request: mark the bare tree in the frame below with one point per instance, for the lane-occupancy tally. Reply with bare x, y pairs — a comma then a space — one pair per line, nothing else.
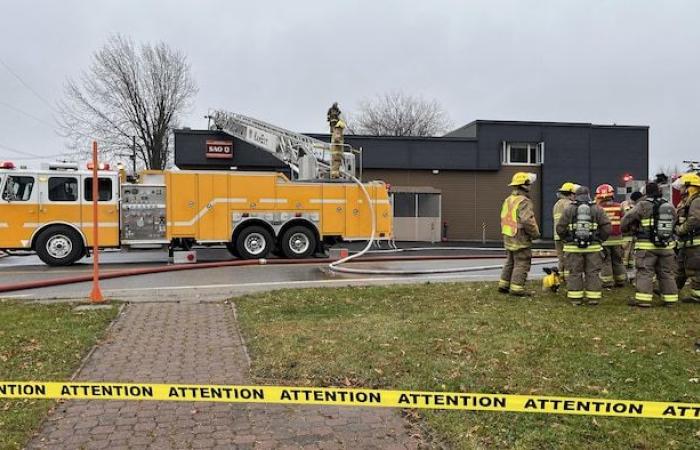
128, 93
399, 114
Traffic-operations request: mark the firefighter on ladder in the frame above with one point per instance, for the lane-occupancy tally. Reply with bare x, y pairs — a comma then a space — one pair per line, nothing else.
652, 220
614, 272
519, 229
583, 226
337, 125
687, 229
565, 196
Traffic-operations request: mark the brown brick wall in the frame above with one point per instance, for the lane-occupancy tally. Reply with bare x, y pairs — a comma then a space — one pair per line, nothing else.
469, 199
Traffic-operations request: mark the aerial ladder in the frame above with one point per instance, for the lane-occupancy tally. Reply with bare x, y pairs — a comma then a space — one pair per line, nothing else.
309, 158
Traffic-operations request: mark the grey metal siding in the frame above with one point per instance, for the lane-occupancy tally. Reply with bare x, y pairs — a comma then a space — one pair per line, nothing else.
583, 153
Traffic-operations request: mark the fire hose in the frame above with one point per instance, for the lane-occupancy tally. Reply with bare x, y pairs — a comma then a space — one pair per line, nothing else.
35, 284
336, 265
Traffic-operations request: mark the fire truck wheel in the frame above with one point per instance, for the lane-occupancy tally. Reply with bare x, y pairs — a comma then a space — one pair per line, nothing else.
298, 242
254, 242
59, 246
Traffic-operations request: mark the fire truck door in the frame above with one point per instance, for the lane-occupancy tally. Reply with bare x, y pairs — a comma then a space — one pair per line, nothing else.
183, 210
19, 210
107, 207
357, 214
213, 224
59, 199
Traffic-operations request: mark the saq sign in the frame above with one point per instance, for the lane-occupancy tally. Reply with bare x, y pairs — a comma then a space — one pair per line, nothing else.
219, 149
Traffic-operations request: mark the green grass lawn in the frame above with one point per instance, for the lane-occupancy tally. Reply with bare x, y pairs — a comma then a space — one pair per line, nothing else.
41, 342
467, 337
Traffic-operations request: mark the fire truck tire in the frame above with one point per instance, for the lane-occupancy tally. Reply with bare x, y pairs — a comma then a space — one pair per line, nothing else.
59, 245
231, 247
254, 242
298, 242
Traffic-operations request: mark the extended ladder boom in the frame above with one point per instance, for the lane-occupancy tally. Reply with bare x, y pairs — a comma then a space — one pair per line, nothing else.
306, 156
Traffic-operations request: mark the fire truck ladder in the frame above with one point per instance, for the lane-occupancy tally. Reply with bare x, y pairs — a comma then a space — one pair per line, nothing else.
306, 156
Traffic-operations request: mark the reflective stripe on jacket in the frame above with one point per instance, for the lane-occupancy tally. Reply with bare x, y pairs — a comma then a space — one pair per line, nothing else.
509, 215
600, 226
639, 220
614, 213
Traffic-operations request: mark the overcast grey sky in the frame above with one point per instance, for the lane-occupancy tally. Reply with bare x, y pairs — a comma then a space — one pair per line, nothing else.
627, 62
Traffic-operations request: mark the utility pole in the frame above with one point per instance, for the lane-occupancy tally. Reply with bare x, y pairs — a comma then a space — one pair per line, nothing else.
133, 154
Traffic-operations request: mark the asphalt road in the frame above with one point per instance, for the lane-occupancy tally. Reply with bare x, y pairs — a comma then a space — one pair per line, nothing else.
220, 283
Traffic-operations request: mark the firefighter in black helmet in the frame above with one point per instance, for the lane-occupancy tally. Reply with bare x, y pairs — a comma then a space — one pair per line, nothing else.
583, 227
652, 220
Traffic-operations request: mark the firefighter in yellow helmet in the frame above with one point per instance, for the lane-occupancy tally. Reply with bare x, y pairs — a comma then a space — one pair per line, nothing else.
565, 196
519, 229
583, 226
688, 231
652, 221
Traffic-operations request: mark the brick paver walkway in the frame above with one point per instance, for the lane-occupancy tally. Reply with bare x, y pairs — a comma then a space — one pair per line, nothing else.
199, 343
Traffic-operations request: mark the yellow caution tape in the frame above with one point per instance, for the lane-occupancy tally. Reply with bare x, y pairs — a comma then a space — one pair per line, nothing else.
350, 397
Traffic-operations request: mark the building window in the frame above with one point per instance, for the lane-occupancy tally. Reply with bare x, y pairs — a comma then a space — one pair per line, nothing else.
63, 189
522, 153
404, 204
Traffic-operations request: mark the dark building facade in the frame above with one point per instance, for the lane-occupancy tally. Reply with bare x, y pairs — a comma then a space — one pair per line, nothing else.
470, 166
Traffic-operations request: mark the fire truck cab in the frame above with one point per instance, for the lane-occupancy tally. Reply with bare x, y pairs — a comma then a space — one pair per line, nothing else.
50, 211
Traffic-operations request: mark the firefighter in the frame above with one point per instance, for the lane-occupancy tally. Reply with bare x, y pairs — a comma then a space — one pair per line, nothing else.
628, 246
337, 125
565, 197
583, 226
614, 272
688, 229
652, 220
519, 228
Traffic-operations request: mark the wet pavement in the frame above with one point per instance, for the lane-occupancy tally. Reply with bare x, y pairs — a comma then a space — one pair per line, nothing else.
216, 284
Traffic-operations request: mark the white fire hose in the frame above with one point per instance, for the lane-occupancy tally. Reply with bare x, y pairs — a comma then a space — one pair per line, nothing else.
335, 266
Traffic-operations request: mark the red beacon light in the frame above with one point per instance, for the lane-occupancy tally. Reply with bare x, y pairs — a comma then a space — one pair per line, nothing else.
100, 166
627, 178
7, 165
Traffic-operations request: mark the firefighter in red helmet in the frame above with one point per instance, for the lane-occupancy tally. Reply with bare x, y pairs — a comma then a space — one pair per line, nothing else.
614, 272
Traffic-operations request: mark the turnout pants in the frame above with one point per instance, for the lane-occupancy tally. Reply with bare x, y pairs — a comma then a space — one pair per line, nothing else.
584, 275
563, 271
662, 263
688, 260
613, 271
628, 250
515, 271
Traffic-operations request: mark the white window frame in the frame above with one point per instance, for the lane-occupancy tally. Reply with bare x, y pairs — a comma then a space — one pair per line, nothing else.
505, 153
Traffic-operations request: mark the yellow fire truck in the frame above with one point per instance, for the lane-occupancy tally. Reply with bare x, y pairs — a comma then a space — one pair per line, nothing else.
252, 213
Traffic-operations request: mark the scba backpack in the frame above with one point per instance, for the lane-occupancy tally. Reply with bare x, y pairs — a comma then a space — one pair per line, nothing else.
662, 223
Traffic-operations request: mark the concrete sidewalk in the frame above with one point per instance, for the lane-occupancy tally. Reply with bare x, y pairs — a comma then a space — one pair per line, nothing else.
199, 343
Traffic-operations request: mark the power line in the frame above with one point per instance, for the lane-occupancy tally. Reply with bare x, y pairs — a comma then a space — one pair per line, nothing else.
26, 85
25, 113
29, 155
